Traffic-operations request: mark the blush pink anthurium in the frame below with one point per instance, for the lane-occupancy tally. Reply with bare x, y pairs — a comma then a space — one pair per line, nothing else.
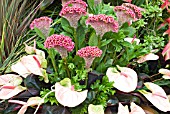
147, 57
135, 109
67, 96
30, 64
10, 86
165, 72
31, 102
131, 40
124, 80
166, 51
157, 96
95, 109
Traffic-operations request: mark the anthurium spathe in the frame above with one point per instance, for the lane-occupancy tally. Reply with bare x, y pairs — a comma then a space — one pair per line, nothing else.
31, 102
95, 109
165, 72
166, 51
30, 64
10, 85
147, 57
135, 109
157, 96
125, 79
67, 96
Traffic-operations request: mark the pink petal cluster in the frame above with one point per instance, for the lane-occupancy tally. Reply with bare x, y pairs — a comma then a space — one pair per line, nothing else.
42, 23
61, 43
102, 23
73, 11
89, 53
75, 4
127, 13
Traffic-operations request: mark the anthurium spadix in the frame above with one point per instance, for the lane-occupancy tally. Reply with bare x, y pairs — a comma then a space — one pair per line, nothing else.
10, 86
30, 64
157, 96
165, 72
31, 102
95, 109
135, 109
67, 96
125, 79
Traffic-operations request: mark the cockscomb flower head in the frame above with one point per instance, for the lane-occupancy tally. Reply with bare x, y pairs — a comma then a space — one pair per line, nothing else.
72, 14
127, 13
102, 23
42, 23
61, 43
89, 53
75, 4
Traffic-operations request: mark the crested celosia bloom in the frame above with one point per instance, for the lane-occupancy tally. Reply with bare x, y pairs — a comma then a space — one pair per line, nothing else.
64, 2
165, 72
89, 53
127, 13
127, 1
75, 4
135, 109
102, 23
72, 14
42, 23
61, 43
157, 96
125, 79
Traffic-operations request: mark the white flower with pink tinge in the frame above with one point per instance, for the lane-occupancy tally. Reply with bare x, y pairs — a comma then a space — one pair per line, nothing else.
157, 96
42, 23
72, 14
125, 79
165, 72
61, 43
102, 24
89, 53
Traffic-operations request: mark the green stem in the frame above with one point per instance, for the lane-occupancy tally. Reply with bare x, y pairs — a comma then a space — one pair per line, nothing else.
75, 40
53, 60
66, 67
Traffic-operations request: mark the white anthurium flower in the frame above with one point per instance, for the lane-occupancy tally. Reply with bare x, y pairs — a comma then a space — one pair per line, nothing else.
124, 80
67, 96
31, 102
95, 109
135, 109
131, 40
6, 92
165, 72
157, 96
30, 64
147, 57
10, 80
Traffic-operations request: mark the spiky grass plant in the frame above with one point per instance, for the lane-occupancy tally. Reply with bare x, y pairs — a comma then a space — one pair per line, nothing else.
15, 17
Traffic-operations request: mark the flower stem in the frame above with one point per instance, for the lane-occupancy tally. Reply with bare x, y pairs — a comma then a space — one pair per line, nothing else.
52, 57
75, 40
66, 67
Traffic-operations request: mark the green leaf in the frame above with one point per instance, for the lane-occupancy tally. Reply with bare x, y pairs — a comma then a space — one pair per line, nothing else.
90, 4
80, 35
39, 33
93, 41
105, 42
45, 4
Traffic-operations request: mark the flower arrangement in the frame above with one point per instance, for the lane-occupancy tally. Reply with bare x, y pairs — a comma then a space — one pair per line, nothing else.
93, 65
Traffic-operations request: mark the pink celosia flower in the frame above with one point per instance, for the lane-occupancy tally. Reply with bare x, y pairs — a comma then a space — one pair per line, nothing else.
157, 96
64, 1
166, 5
128, 1
102, 23
89, 53
67, 96
165, 72
125, 79
147, 57
135, 109
42, 23
72, 14
127, 13
75, 4
32, 101
166, 51
61, 43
